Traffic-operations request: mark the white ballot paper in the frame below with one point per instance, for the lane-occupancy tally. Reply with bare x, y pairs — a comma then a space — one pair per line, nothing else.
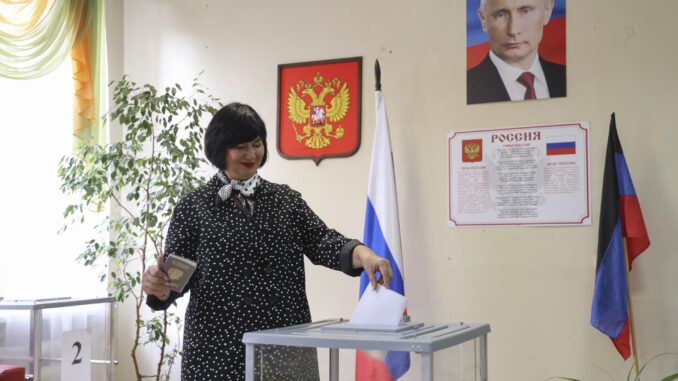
380, 307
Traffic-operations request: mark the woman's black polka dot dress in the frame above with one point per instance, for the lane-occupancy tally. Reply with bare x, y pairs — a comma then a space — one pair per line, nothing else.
250, 273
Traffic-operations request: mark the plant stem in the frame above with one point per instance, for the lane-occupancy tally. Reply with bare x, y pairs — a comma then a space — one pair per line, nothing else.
137, 305
162, 346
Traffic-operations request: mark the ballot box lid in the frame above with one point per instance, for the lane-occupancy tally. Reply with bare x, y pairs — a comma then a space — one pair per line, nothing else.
339, 333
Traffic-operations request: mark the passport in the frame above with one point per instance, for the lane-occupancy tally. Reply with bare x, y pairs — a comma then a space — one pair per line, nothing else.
179, 271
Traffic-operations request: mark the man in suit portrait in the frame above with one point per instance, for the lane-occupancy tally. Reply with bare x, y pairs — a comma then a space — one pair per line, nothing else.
513, 69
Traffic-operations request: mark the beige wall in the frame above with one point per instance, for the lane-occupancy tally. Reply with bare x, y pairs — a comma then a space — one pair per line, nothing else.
533, 285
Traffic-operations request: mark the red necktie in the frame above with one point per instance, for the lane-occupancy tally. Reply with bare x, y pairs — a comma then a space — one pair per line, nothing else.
527, 79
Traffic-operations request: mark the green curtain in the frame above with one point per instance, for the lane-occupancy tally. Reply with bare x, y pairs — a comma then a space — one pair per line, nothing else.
37, 35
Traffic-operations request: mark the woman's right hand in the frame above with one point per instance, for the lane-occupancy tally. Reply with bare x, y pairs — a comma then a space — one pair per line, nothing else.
155, 282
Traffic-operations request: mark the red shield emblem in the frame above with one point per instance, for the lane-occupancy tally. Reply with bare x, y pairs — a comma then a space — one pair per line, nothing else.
472, 150
319, 109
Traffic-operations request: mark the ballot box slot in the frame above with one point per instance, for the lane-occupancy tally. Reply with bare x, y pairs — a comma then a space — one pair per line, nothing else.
348, 327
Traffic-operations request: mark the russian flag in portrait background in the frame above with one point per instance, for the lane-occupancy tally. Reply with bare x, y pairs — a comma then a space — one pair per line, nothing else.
382, 234
561, 145
620, 216
551, 48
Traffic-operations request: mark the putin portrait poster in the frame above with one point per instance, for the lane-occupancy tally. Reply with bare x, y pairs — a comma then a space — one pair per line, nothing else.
515, 50
532, 175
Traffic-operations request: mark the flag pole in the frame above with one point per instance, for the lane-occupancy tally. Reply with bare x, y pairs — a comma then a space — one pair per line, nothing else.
632, 328
377, 75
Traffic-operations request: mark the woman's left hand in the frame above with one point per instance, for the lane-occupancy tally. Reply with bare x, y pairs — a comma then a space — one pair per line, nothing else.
364, 257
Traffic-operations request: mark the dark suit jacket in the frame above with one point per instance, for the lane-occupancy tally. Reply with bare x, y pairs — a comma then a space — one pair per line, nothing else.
484, 84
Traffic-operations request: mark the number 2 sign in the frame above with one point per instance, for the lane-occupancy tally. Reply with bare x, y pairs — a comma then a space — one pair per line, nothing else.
76, 355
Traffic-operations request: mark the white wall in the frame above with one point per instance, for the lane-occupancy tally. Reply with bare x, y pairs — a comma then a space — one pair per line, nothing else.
533, 285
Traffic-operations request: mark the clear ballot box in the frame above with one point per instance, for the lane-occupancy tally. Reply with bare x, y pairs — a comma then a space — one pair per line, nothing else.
293, 352
33, 332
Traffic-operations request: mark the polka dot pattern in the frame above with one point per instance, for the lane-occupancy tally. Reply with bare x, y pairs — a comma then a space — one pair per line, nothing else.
245, 190
250, 273
245, 187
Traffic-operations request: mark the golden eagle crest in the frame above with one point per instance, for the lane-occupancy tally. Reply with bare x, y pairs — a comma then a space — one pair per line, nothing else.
308, 109
472, 151
174, 273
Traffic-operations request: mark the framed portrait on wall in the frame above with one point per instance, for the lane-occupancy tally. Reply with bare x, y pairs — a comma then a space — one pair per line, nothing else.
515, 50
319, 111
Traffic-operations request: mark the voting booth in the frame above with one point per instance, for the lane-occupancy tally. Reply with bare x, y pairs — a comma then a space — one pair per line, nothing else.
58, 339
269, 352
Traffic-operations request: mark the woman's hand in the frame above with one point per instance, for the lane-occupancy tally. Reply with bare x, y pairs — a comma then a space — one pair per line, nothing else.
155, 282
364, 257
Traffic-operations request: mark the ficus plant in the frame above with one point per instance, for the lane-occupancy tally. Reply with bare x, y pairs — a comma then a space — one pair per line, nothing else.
131, 188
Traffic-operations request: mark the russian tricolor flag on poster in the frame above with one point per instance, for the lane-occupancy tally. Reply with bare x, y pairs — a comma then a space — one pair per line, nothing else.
382, 234
565, 145
620, 217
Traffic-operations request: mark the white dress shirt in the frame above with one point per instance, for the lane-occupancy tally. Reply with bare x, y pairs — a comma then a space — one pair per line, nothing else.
509, 75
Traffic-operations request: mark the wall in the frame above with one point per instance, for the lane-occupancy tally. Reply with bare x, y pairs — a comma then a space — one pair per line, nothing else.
533, 285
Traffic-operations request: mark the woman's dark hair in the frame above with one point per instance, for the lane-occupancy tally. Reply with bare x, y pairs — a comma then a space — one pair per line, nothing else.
234, 124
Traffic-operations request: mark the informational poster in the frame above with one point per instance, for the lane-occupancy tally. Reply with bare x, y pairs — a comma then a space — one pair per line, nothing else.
76, 355
535, 175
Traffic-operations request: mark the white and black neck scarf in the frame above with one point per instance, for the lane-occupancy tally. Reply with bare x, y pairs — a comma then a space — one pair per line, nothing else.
244, 190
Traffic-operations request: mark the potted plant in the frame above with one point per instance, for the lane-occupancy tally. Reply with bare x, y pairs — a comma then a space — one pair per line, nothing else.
139, 179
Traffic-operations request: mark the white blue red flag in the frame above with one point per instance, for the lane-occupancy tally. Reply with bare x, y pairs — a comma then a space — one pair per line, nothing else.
382, 234
561, 145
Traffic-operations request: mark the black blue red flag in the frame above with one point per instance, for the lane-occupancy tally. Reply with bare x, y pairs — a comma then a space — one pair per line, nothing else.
620, 217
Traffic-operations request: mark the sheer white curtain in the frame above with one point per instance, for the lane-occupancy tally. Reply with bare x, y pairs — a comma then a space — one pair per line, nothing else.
36, 119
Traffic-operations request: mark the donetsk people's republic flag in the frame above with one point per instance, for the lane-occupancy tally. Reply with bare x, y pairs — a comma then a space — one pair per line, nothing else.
382, 234
620, 216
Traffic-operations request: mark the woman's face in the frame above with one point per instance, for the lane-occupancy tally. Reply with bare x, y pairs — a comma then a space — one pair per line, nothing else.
243, 160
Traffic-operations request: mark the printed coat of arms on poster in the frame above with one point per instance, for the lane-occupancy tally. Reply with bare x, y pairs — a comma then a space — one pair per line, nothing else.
472, 150
319, 109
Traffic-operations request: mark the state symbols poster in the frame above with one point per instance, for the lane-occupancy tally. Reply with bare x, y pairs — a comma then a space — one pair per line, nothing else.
533, 175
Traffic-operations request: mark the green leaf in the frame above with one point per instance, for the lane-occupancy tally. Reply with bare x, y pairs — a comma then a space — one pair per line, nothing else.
142, 177
642, 368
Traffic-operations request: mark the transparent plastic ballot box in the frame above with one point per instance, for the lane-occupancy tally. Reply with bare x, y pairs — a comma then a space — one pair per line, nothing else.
450, 351
31, 334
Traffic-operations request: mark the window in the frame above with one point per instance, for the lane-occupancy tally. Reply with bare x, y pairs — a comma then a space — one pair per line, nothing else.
36, 123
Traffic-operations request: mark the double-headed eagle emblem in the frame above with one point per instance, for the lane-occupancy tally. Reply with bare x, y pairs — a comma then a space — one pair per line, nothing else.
308, 110
174, 273
472, 151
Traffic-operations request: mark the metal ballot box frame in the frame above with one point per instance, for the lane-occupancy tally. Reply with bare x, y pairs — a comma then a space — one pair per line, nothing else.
29, 330
335, 334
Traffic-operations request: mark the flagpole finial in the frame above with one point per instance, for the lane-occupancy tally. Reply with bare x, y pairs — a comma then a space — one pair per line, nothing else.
613, 123
377, 75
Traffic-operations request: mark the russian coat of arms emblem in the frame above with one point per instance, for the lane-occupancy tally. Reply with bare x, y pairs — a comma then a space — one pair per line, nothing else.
472, 150
319, 109
316, 122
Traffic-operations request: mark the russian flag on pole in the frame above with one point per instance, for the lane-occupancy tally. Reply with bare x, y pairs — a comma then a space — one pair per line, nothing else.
620, 216
382, 234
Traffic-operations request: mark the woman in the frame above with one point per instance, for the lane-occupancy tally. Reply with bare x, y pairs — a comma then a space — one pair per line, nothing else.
249, 237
